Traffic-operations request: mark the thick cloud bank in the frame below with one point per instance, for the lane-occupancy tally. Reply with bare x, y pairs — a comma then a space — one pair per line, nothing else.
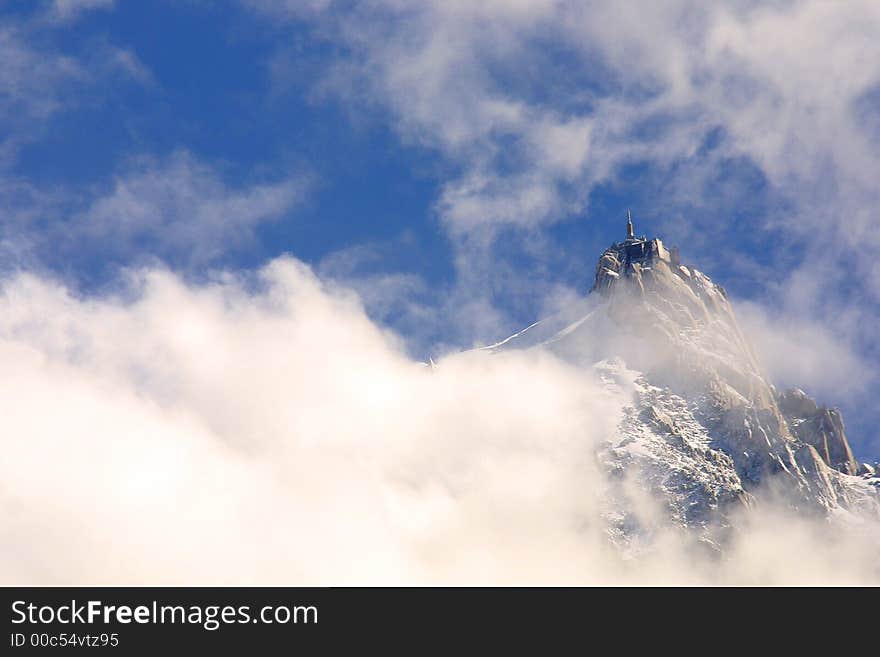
264, 430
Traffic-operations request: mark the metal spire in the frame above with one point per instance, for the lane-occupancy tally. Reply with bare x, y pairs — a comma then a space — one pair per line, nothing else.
630, 234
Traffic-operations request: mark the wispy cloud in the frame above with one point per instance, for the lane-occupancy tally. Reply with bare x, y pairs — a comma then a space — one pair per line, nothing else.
70, 10
33, 82
179, 206
178, 209
628, 85
41, 81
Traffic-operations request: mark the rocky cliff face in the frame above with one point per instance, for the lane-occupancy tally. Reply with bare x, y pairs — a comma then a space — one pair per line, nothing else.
820, 427
704, 430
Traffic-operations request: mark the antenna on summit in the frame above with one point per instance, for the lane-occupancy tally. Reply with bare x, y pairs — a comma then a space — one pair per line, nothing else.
630, 234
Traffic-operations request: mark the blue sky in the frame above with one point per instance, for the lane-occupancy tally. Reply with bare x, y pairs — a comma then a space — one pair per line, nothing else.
460, 166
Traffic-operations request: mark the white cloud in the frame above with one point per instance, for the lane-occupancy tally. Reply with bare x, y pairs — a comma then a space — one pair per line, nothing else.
39, 80
176, 208
384, 295
68, 10
127, 63
32, 80
264, 430
211, 414
180, 205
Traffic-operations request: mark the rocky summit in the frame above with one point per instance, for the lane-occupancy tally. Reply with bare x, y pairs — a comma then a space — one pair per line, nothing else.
703, 430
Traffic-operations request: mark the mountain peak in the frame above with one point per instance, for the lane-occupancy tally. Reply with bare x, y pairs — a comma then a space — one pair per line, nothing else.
700, 395
633, 255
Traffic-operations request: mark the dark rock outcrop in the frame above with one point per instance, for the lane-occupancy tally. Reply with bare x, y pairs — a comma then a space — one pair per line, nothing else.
820, 427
